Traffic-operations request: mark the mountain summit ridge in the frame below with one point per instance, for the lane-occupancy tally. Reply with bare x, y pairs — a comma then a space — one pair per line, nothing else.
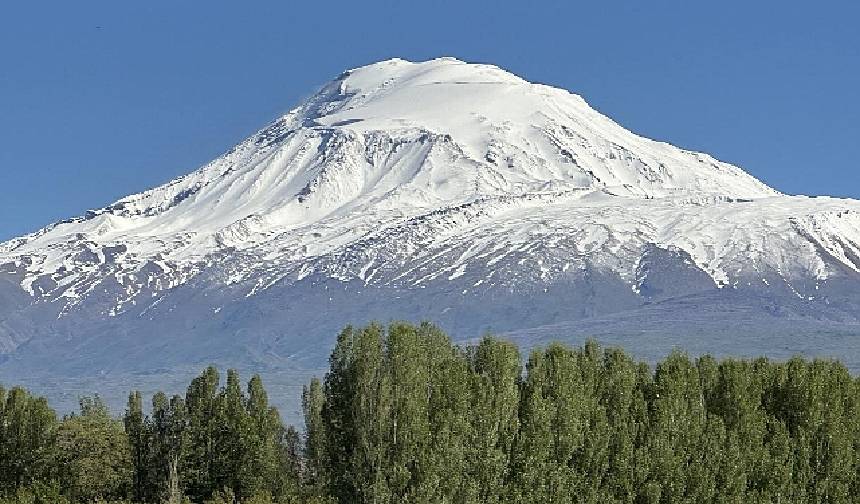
422, 190
442, 97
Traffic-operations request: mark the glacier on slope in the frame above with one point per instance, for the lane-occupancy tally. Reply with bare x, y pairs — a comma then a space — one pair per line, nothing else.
441, 189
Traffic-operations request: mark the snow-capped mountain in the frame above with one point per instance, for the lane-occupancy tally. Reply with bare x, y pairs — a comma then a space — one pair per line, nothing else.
441, 189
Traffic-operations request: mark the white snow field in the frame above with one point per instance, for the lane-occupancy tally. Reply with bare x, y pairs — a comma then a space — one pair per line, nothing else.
441, 189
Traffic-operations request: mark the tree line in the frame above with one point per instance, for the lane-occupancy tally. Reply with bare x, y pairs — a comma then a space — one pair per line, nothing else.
405, 416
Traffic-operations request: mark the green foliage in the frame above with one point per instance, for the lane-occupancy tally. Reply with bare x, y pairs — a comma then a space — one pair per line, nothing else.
198, 468
316, 452
493, 413
37, 492
27, 428
405, 416
217, 443
225, 496
139, 441
93, 456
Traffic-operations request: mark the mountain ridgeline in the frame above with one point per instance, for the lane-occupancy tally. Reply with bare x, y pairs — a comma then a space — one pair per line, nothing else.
405, 416
437, 190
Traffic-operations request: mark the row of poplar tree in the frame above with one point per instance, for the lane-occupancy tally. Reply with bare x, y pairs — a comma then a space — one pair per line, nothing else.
405, 416
216, 445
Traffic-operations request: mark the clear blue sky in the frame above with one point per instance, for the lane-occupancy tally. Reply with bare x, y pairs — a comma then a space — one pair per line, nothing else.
99, 99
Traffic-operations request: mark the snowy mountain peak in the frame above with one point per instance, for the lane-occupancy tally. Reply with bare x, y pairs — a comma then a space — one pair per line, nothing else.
392, 160
425, 134
519, 136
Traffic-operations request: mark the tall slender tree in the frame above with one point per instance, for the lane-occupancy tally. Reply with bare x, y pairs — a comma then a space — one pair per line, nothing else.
315, 474
139, 437
494, 406
338, 418
198, 470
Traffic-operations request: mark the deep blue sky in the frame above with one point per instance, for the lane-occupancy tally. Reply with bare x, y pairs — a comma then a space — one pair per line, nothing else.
99, 99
